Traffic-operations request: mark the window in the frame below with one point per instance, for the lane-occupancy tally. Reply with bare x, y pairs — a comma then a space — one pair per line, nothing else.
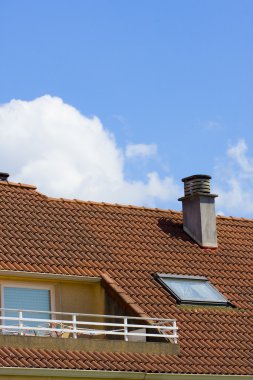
21, 296
192, 289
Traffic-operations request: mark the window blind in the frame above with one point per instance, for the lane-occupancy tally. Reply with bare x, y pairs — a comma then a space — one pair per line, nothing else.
27, 299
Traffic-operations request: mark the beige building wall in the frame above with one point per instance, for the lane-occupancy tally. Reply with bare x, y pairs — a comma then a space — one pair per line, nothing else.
66, 296
80, 298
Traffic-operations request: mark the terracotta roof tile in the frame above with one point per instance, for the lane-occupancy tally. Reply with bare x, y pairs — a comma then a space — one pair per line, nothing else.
126, 245
218, 362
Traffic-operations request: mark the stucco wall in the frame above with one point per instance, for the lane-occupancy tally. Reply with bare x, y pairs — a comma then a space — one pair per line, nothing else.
80, 298
67, 296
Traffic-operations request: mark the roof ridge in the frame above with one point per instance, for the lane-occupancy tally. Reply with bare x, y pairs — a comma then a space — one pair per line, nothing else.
18, 184
75, 200
118, 205
67, 200
234, 218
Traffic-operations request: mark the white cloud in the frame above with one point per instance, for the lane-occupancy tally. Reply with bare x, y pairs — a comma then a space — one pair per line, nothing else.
234, 181
212, 125
238, 153
49, 143
141, 150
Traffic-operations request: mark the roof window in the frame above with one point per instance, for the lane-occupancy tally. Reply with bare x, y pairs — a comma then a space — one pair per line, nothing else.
192, 289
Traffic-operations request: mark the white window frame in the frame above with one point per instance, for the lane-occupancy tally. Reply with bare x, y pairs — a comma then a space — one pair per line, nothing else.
31, 285
161, 276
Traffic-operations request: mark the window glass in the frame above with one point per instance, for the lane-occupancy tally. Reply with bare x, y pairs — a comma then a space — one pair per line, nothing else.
192, 290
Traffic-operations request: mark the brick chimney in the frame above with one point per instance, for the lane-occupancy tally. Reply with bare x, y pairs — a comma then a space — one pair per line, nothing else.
199, 218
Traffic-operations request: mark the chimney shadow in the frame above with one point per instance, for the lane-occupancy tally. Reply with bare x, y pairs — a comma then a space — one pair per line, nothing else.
173, 229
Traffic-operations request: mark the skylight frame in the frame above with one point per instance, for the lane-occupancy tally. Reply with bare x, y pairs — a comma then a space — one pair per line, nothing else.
160, 276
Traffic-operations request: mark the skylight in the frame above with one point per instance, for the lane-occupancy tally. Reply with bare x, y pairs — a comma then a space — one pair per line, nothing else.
192, 289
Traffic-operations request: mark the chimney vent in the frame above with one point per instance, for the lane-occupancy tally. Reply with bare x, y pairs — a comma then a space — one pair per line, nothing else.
195, 184
199, 219
4, 176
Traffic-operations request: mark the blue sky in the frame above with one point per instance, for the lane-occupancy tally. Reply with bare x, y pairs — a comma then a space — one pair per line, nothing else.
170, 82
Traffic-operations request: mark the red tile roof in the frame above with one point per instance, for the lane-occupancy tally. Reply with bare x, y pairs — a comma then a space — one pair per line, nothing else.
126, 245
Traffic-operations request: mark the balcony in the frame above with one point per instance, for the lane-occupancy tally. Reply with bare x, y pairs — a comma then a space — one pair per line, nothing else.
93, 332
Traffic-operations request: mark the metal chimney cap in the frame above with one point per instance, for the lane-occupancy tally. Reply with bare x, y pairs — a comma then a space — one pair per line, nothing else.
4, 176
198, 184
196, 176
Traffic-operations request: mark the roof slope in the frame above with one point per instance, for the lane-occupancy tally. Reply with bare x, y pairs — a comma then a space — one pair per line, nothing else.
130, 244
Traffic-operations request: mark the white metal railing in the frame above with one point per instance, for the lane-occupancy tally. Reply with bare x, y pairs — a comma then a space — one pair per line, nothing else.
59, 324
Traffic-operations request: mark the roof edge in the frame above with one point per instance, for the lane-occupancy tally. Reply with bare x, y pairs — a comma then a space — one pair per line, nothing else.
118, 205
18, 184
110, 283
49, 276
80, 201
98, 374
71, 373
